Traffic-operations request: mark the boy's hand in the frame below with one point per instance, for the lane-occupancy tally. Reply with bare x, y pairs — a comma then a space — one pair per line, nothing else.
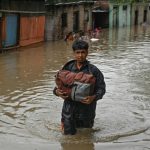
88, 99
61, 94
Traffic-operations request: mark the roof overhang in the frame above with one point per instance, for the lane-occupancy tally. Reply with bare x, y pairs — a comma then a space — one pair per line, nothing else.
22, 12
71, 3
99, 11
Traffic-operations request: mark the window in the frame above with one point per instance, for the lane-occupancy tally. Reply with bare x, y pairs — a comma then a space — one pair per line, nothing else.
145, 16
64, 19
124, 7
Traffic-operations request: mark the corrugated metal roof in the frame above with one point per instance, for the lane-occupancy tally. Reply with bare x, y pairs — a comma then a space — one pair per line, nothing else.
27, 12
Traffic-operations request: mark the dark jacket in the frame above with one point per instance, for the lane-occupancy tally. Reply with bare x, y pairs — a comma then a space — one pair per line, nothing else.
72, 109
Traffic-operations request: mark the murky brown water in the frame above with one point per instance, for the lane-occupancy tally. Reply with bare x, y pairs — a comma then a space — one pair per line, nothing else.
30, 113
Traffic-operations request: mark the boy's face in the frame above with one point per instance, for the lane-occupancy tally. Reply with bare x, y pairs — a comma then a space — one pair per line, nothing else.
80, 55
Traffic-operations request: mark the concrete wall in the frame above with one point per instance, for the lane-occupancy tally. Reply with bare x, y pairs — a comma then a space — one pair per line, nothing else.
53, 28
127, 17
140, 7
148, 15
123, 16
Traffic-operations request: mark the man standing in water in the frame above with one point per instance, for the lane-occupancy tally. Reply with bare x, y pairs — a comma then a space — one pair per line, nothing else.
80, 114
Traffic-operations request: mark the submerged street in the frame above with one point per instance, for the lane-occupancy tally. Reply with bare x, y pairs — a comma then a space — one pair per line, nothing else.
30, 113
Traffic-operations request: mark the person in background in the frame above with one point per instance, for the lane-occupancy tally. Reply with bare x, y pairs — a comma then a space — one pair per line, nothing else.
69, 37
80, 114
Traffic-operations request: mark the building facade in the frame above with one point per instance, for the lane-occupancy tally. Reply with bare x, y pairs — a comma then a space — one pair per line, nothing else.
119, 14
62, 18
21, 22
24, 22
100, 14
140, 13
128, 13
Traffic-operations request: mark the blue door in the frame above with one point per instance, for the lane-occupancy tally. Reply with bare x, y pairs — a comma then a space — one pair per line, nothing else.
11, 30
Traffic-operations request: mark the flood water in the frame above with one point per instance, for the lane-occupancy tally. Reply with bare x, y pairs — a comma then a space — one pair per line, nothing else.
30, 113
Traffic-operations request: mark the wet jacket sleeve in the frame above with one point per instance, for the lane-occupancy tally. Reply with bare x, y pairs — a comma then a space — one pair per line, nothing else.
100, 86
54, 91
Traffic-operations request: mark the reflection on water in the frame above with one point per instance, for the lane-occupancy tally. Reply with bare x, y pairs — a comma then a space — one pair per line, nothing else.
77, 146
30, 111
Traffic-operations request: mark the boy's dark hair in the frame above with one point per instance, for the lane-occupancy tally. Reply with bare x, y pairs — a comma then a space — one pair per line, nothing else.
80, 44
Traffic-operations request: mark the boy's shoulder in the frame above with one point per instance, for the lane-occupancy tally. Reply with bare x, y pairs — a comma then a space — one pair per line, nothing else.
95, 70
93, 67
68, 65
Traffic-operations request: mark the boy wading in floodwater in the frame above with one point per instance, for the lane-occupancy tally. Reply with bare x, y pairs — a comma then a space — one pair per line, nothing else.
80, 113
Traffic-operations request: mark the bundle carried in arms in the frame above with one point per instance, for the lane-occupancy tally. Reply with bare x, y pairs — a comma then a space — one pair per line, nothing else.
76, 85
